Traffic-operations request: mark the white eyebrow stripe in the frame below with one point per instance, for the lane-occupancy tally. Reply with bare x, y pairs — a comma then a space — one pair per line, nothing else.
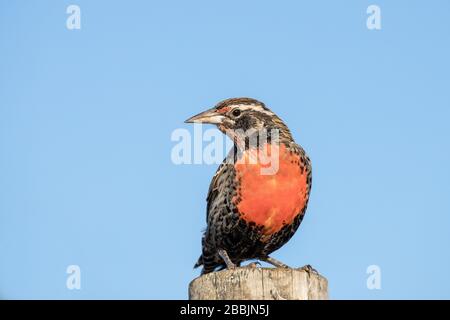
251, 107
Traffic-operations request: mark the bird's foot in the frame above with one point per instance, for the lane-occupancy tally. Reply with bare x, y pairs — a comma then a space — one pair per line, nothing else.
224, 255
308, 268
275, 262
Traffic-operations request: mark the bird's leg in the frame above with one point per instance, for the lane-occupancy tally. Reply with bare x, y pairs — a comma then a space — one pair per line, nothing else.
274, 262
224, 255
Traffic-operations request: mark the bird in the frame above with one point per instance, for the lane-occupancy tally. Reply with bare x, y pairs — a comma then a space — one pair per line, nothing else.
251, 214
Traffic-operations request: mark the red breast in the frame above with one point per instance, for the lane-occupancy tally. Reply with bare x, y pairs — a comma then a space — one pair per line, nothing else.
270, 200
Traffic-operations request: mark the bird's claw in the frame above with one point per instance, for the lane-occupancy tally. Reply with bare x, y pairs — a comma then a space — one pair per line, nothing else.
308, 268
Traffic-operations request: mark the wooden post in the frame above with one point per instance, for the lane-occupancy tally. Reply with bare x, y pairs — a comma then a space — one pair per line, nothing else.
259, 284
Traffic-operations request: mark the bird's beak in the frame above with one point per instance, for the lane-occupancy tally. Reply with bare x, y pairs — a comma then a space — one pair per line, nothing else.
209, 116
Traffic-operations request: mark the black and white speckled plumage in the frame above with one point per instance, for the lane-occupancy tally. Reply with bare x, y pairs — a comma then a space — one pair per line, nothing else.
225, 227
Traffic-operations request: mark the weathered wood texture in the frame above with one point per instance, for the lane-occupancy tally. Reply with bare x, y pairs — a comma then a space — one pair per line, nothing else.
259, 284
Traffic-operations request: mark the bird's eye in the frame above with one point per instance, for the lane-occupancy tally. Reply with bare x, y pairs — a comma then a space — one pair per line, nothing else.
236, 112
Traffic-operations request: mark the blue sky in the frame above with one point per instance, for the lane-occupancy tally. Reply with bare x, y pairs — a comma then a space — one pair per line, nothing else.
86, 116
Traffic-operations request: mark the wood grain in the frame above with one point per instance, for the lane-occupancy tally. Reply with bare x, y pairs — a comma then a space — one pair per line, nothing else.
259, 284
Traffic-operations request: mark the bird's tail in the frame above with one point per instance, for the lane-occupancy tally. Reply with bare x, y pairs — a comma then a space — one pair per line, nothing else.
209, 266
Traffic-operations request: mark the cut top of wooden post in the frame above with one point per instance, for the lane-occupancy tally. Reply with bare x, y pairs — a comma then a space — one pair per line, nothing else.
259, 284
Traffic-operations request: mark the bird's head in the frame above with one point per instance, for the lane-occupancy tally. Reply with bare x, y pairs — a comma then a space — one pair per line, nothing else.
243, 115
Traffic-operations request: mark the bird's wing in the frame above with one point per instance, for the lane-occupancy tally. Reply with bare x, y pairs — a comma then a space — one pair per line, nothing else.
215, 187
